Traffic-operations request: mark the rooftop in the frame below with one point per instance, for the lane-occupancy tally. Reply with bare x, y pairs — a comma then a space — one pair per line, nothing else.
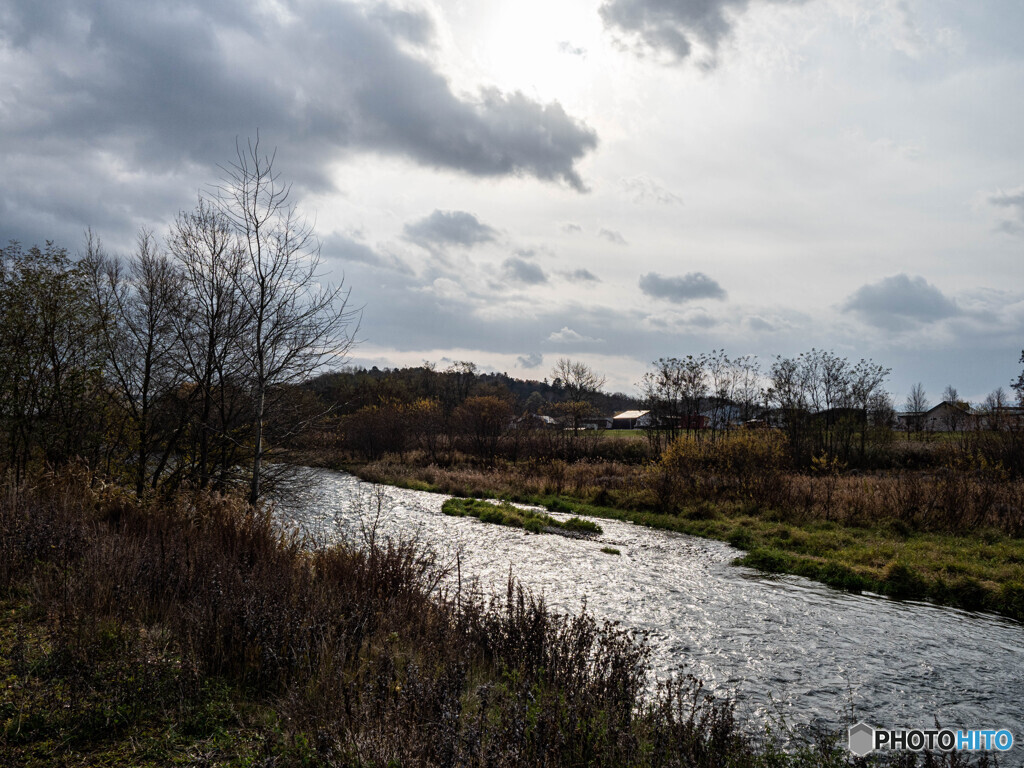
630, 414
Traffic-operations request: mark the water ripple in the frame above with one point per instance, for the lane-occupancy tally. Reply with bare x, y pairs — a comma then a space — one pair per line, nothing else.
779, 644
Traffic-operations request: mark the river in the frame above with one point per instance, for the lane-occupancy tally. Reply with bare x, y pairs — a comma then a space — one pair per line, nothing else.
781, 646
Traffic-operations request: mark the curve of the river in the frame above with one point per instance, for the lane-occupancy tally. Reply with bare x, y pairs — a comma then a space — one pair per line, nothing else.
780, 645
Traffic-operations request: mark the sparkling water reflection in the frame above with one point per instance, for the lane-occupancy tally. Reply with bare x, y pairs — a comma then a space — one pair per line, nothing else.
780, 645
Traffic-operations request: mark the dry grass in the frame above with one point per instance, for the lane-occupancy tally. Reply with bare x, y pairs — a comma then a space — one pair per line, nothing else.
132, 612
961, 497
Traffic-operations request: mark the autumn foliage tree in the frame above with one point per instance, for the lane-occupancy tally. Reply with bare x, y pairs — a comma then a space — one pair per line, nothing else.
51, 362
485, 419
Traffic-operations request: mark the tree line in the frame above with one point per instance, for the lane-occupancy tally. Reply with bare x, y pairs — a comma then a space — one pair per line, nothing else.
442, 411
832, 410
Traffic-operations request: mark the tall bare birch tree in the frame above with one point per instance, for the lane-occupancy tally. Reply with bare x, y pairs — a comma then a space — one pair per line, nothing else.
296, 324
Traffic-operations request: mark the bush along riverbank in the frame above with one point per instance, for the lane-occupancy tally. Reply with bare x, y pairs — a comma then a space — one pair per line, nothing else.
191, 630
954, 538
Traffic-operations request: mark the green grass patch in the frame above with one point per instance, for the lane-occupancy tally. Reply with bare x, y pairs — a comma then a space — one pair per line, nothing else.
507, 514
610, 551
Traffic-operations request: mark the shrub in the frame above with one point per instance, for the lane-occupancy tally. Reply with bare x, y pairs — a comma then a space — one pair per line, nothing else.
740, 538
901, 581
745, 464
579, 525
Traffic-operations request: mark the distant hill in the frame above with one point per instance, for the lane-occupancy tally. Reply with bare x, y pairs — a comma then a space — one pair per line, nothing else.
353, 388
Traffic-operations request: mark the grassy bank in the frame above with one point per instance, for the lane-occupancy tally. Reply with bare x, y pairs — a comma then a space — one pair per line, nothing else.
514, 517
976, 568
192, 631
118, 697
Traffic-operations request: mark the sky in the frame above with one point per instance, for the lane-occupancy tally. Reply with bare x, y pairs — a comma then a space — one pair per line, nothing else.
612, 181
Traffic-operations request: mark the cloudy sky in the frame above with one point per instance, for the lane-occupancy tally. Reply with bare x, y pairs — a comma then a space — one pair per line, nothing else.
609, 180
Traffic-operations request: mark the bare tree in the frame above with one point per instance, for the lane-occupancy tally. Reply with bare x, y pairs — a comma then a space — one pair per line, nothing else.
789, 391
663, 395
580, 383
578, 379
748, 385
915, 406
1018, 385
137, 308
722, 381
296, 325
210, 258
957, 415
674, 392
994, 409
866, 380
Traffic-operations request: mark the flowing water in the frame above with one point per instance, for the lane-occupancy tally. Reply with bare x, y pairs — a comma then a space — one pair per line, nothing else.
781, 646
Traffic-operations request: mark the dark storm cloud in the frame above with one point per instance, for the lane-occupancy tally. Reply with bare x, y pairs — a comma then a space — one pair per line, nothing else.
449, 228
673, 26
900, 302
130, 91
691, 286
522, 271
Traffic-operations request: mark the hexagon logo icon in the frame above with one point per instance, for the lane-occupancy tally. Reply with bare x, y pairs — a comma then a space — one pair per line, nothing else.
862, 739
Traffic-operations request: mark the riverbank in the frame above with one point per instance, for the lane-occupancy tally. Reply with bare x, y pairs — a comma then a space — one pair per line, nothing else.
980, 569
191, 630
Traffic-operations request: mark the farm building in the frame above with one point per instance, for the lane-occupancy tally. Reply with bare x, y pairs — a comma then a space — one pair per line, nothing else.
944, 417
631, 420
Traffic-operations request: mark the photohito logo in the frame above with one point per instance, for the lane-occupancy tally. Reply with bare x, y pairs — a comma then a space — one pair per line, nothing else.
864, 739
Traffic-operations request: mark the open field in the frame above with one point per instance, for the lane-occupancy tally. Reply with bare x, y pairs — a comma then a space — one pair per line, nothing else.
621, 433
